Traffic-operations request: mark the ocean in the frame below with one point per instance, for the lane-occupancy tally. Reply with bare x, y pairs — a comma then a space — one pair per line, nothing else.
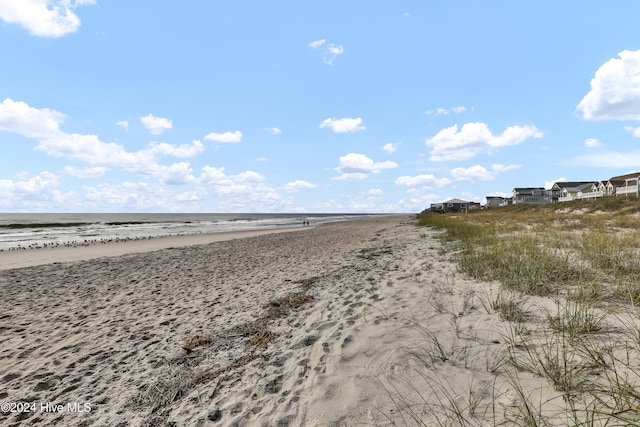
32, 230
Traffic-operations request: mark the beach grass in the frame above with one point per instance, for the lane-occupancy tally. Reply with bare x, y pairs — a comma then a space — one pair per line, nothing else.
581, 262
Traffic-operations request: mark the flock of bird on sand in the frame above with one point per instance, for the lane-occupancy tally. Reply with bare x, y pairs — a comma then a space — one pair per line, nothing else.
89, 242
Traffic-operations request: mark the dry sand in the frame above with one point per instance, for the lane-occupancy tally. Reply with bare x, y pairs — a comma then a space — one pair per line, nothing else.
314, 327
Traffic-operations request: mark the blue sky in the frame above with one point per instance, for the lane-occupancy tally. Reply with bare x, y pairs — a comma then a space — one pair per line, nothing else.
292, 106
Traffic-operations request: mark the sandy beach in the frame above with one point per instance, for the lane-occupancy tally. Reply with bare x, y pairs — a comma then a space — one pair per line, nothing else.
313, 327
41, 256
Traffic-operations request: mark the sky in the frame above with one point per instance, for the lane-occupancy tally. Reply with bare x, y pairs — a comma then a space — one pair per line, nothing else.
293, 106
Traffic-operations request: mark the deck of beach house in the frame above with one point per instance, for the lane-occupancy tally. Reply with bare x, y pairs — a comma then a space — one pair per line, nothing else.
630, 186
577, 190
528, 195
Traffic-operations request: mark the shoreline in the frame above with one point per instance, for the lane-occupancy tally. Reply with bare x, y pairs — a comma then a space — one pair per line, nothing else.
30, 257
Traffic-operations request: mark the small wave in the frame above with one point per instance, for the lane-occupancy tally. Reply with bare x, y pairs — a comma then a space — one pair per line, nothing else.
45, 225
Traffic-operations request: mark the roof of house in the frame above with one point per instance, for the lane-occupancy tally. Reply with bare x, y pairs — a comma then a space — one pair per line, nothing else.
580, 187
571, 184
619, 180
456, 201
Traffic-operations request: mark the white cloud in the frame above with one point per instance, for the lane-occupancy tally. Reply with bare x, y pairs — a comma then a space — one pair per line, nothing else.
451, 144
44, 125
86, 172
176, 174
156, 125
441, 111
44, 18
34, 194
244, 192
126, 196
615, 90
634, 131
317, 43
37, 184
610, 159
20, 118
359, 166
498, 168
295, 186
343, 125
424, 180
592, 143
390, 147
226, 183
197, 195
330, 50
274, 131
183, 150
480, 173
123, 124
375, 192
335, 50
549, 184
226, 137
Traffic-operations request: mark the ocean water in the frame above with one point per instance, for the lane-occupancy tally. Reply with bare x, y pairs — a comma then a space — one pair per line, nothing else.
22, 230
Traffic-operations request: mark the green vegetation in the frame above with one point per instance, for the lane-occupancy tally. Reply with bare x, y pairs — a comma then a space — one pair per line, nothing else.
580, 262
551, 249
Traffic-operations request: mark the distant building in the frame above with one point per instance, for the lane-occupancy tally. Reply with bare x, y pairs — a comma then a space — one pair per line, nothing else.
455, 205
571, 190
498, 201
436, 208
556, 191
528, 195
626, 185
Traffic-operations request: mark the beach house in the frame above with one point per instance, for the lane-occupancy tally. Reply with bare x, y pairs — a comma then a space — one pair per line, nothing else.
577, 190
626, 185
455, 205
528, 195
498, 201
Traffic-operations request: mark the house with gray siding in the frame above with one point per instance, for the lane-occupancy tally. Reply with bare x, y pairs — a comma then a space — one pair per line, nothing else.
498, 201
528, 195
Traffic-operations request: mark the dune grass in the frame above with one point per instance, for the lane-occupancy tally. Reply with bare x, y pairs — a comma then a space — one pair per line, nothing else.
550, 249
583, 258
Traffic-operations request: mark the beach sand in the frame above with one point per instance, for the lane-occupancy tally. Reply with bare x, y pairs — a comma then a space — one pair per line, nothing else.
313, 327
31, 257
